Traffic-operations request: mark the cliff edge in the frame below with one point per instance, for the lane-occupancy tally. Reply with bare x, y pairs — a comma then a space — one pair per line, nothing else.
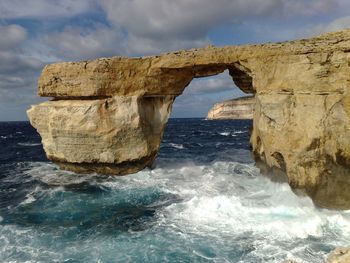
234, 109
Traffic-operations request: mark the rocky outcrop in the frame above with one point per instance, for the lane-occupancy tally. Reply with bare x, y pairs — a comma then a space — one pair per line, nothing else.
116, 135
339, 255
108, 114
235, 109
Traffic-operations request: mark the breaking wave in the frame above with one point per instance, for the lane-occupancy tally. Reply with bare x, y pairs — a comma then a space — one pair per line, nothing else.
28, 144
195, 205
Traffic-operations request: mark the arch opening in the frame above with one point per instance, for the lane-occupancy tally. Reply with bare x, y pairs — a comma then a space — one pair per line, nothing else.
188, 135
209, 86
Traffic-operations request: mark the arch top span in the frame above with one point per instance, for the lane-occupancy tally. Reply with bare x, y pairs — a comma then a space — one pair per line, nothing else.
150, 76
109, 114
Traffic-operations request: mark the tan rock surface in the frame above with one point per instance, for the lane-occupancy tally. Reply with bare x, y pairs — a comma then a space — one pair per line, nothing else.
113, 110
235, 109
339, 255
94, 135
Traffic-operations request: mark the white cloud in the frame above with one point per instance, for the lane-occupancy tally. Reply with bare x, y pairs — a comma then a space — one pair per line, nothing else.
314, 30
146, 27
184, 19
143, 27
149, 46
214, 84
12, 57
309, 7
18, 72
17, 63
14, 63
167, 24
14, 9
84, 43
337, 24
11, 36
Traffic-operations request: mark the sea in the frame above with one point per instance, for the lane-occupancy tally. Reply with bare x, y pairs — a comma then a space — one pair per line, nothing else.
204, 200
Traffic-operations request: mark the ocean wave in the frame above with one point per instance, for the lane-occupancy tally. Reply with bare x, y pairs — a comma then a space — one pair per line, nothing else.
177, 146
29, 199
50, 174
233, 134
240, 132
27, 144
224, 133
208, 210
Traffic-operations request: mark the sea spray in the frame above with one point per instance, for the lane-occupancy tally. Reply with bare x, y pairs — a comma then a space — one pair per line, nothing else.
200, 203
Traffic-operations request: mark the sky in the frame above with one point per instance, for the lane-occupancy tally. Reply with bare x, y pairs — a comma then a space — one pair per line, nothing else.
37, 32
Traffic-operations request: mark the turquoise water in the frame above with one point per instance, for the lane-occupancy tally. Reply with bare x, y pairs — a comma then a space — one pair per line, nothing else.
203, 201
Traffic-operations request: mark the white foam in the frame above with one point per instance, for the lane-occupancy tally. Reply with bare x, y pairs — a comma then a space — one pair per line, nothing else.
177, 146
50, 174
29, 199
226, 201
28, 144
217, 199
239, 132
234, 133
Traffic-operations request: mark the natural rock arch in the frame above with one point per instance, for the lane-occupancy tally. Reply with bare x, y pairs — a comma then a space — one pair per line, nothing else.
108, 115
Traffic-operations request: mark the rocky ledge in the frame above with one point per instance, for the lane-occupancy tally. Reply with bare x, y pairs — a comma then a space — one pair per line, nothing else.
108, 114
235, 109
339, 255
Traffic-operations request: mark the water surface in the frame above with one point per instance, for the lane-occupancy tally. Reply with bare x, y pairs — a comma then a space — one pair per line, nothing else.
204, 201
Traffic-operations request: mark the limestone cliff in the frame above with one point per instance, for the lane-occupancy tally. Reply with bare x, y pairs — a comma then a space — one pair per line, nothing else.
339, 255
108, 114
239, 108
117, 135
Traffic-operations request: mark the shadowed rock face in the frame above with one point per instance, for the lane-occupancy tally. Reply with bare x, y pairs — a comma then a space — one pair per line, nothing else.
108, 115
235, 109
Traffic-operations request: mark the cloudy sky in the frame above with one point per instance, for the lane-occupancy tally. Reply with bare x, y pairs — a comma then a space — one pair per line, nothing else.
36, 32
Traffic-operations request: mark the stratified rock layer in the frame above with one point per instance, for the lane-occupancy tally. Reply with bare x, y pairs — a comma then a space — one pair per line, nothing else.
117, 135
108, 114
235, 109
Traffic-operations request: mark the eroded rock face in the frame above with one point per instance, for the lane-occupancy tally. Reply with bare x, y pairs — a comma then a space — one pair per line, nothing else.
339, 255
118, 135
235, 109
108, 114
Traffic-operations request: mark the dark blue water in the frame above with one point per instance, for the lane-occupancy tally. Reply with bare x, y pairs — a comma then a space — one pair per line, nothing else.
203, 201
